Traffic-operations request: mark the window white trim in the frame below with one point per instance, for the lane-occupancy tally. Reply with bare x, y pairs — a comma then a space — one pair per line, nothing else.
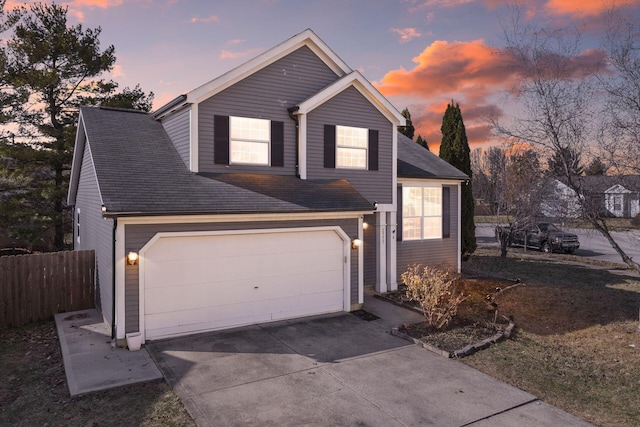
246, 135
427, 218
352, 142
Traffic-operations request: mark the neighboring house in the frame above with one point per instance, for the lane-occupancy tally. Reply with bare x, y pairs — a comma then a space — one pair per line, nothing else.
274, 191
613, 196
559, 201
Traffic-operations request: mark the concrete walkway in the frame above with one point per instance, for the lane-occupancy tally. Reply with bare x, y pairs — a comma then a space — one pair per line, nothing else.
91, 363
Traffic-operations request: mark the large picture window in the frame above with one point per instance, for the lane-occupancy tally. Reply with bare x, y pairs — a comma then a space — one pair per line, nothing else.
421, 212
351, 147
249, 140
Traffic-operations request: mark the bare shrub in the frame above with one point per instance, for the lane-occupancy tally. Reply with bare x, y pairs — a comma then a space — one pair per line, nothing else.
435, 290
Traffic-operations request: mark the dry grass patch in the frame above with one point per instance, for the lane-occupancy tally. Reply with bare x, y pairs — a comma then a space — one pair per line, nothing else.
33, 389
577, 345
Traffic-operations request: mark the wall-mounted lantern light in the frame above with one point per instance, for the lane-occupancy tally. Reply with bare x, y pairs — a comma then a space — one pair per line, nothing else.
365, 225
355, 243
132, 258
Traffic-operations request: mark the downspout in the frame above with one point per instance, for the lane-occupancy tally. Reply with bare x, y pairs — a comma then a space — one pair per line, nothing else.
113, 279
295, 119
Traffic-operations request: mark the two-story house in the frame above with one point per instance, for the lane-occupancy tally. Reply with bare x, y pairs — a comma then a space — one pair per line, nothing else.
274, 191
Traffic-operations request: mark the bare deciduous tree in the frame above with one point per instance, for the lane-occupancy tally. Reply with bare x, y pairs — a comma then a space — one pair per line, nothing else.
622, 133
556, 101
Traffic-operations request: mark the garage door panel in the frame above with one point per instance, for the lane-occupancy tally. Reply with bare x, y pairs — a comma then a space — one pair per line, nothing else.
172, 298
195, 283
226, 316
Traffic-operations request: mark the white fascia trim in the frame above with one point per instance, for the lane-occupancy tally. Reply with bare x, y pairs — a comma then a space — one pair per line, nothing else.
186, 219
358, 81
346, 250
386, 207
306, 38
193, 138
302, 146
120, 281
429, 181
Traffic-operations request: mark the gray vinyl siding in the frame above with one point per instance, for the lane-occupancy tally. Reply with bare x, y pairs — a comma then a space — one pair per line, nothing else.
136, 236
369, 249
95, 233
351, 108
266, 94
435, 252
177, 127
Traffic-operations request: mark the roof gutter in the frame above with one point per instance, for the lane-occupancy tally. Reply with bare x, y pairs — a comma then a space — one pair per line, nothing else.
168, 107
114, 215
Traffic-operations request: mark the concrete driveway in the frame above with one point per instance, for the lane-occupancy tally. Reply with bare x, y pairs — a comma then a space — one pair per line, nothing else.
336, 370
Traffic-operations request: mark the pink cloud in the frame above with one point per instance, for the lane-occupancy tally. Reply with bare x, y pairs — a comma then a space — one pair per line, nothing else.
584, 8
212, 18
227, 54
406, 34
469, 73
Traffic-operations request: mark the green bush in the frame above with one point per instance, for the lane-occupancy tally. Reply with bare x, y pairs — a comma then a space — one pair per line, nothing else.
434, 289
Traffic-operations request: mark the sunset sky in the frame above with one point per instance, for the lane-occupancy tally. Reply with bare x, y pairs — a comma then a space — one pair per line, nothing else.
421, 54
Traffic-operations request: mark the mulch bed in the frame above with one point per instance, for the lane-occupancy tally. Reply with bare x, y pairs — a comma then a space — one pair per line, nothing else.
477, 325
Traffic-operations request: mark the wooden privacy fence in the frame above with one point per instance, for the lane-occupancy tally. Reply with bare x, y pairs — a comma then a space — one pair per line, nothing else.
35, 287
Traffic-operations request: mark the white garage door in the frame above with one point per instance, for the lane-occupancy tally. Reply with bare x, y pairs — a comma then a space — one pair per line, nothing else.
194, 283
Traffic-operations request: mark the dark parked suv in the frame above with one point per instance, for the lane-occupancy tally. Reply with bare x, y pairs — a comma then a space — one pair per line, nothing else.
544, 236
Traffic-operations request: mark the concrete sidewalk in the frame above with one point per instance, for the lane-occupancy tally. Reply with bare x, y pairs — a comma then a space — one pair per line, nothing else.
91, 363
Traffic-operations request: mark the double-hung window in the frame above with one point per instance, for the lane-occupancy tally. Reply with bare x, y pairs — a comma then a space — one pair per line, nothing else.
421, 212
351, 147
249, 140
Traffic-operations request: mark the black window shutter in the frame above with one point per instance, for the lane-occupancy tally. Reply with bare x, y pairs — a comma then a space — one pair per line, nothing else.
399, 215
373, 150
446, 212
277, 143
221, 140
329, 146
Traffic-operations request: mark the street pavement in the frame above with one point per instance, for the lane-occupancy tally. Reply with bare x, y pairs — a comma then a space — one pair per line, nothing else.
592, 243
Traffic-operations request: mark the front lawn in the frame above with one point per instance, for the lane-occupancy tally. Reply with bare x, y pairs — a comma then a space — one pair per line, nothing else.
577, 342
33, 389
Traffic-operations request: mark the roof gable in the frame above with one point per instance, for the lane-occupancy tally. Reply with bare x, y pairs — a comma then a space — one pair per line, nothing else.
356, 80
306, 38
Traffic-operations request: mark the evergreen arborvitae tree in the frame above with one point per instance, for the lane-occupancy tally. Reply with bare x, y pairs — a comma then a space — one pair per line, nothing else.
421, 141
455, 150
407, 130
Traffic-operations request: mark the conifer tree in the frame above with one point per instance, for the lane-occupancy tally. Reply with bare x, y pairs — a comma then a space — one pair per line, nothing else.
407, 130
421, 141
55, 67
455, 150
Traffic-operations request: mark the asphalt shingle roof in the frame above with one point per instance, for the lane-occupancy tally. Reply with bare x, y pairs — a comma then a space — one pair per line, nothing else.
140, 172
415, 161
